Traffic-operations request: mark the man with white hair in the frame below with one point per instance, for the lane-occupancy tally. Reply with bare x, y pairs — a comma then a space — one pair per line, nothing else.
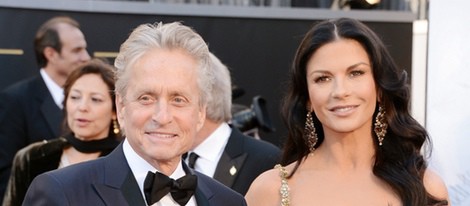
162, 90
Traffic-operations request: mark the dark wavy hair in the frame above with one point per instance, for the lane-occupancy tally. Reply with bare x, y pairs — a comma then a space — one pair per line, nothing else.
398, 161
107, 74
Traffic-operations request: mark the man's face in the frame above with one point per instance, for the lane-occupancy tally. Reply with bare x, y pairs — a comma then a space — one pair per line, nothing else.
73, 52
160, 112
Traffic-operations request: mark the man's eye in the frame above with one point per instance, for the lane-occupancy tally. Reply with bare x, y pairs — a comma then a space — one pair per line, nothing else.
146, 100
179, 101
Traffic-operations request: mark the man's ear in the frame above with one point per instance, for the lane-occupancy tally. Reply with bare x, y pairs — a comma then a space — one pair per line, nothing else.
120, 109
50, 53
202, 117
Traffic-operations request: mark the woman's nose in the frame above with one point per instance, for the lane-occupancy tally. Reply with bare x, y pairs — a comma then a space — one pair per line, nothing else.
341, 88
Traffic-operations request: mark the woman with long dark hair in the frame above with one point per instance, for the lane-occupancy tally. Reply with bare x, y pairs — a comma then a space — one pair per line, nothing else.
351, 139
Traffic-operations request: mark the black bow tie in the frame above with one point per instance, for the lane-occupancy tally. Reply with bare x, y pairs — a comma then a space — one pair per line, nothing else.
158, 185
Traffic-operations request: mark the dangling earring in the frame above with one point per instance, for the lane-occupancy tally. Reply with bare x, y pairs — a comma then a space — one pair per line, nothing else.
310, 133
115, 127
380, 126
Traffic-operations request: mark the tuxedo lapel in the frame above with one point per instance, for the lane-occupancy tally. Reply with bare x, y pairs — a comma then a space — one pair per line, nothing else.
203, 193
110, 195
119, 184
232, 159
131, 191
201, 199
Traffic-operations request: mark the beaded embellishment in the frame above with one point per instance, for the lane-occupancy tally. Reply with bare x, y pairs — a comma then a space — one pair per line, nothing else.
284, 190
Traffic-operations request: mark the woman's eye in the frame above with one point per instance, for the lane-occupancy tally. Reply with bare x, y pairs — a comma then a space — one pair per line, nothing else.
96, 100
357, 73
322, 79
73, 97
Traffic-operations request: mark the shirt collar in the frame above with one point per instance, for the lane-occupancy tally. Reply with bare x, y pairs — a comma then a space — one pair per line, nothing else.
140, 167
56, 91
212, 147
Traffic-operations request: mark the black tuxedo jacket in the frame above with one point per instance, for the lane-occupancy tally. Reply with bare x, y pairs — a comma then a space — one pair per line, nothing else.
245, 158
27, 114
109, 181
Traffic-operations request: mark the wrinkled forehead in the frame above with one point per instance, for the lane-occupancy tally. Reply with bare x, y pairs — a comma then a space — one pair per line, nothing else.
164, 69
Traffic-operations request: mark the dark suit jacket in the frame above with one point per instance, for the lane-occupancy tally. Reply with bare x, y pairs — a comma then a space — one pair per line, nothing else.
27, 114
109, 181
32, 161
245, 158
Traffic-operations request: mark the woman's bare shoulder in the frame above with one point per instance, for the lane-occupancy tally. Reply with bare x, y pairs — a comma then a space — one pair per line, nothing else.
265, 189
435, 186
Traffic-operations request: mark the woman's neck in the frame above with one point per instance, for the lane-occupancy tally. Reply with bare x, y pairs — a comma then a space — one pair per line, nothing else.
74, 156
346, 151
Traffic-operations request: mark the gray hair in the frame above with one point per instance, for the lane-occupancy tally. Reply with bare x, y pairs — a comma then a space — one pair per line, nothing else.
219, 108
169, 36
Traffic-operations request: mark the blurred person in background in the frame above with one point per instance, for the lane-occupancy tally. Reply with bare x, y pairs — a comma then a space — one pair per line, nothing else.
31, 110
162, 86
222, 151
90, 130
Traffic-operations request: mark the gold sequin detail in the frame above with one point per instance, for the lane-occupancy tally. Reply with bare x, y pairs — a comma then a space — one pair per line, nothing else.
284, 190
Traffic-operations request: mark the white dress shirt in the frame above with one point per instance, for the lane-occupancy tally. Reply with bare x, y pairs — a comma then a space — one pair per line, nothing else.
211, 149
140, 168
56, 91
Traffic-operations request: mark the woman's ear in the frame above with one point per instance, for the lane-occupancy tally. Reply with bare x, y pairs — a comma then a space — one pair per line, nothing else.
379, 96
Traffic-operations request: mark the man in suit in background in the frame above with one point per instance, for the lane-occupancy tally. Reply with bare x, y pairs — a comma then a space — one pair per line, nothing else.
30, 110
223, 151
162, 89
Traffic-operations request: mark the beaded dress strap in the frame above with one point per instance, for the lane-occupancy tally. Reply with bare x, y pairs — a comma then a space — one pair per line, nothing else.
284, 190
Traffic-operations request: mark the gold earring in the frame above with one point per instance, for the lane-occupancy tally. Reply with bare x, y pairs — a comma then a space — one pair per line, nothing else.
380, 126
115, 127
310, 132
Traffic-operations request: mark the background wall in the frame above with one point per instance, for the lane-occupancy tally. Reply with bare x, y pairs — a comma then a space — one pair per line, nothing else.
258, 45
448, 95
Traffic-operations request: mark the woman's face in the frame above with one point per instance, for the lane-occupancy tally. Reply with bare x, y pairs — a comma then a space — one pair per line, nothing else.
89, 108
341, 87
